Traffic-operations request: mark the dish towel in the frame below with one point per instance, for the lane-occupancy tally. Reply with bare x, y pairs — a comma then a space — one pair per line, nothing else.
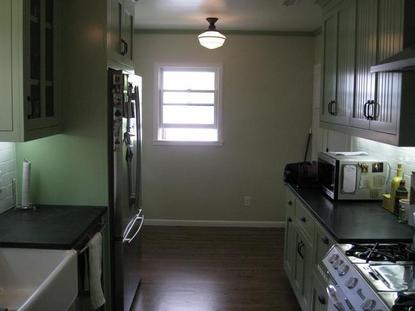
95, 271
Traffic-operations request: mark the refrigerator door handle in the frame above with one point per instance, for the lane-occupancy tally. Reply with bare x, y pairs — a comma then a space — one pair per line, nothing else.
131, 223
129, 226
129, 240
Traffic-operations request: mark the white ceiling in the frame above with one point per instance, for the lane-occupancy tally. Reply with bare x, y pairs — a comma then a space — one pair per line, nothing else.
245, 15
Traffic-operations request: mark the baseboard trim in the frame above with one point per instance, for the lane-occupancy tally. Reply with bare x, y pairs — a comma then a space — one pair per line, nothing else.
214, 223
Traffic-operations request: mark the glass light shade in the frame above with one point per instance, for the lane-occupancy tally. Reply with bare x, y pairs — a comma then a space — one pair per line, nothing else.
211, 39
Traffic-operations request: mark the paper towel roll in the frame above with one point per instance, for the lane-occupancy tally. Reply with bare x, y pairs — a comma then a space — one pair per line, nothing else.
26, 184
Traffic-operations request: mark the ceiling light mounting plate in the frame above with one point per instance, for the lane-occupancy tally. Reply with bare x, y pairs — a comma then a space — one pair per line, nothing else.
212, 21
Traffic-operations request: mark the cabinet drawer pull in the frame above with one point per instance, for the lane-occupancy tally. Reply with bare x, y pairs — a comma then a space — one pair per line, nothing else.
303, 219
290, 202
321, 299
289, 219
325, 240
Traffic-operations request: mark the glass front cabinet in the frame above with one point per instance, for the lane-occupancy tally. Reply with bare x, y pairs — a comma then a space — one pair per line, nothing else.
28, 109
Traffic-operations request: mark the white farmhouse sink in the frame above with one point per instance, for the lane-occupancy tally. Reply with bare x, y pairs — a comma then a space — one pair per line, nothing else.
37, 279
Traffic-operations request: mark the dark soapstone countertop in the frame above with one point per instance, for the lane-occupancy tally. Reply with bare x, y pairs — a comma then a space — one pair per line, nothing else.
354, 221
48, 226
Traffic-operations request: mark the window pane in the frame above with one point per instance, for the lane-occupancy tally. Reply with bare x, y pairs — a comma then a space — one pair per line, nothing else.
180, 134
188, 80
188, 98
188, 115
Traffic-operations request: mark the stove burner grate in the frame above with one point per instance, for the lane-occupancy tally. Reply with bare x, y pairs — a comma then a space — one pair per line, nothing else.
381, 252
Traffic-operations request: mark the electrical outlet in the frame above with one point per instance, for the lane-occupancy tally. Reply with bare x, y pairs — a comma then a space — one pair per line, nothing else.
247, 200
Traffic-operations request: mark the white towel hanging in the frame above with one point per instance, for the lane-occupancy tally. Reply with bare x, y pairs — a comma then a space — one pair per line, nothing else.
95, 271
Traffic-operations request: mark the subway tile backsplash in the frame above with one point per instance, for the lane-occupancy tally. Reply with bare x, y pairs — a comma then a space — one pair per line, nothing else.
7, 173
392, 154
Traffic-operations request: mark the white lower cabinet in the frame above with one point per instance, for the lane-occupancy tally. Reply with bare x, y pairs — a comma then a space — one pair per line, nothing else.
306, 243
319, 293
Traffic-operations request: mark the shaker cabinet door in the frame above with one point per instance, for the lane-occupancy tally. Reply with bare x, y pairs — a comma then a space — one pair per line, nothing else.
290, 234
329, 68
388, 85
6, 86
366, 44
338, 63
128, 29
345, 61
303, 269
121, 30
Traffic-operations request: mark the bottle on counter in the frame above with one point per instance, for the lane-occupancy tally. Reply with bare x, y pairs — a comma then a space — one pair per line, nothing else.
404, 208
395, 182
401, 193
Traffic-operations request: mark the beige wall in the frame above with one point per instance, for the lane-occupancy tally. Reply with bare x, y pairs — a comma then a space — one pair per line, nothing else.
267, 103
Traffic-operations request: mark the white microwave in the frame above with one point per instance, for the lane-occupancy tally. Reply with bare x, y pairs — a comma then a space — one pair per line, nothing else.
357, 177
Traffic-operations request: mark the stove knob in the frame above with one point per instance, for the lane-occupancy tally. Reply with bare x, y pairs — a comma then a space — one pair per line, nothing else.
343, 269
368, 305
337, 263
333, 258
351, 283
339, 306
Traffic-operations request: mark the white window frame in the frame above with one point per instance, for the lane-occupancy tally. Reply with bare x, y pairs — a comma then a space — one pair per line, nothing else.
215, 67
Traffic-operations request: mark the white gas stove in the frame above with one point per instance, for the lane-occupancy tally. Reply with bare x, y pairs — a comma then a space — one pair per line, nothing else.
371, 277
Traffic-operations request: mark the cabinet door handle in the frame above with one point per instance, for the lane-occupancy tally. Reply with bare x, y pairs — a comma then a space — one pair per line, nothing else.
289, 219
331, 106
365, 110
375, 110
303, 219
300, 246
123, 47
290, 202
325, 240
321, 299
370, 110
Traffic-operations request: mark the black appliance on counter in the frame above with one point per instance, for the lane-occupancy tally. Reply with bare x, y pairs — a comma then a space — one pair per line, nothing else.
302, 174
124, 161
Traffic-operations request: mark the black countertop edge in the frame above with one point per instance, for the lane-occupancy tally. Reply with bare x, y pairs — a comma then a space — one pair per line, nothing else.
338, 239
87, 230
25, 242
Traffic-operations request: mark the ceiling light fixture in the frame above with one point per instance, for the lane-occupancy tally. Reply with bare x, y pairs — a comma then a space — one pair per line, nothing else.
211, 39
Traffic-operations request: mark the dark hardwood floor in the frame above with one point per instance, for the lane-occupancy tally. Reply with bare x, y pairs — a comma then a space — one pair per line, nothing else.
206, 269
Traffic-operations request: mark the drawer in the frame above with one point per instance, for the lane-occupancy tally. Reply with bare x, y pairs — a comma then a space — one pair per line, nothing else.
289, 203
304, 219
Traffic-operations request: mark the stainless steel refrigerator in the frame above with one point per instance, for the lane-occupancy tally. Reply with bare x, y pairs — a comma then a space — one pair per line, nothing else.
127, 218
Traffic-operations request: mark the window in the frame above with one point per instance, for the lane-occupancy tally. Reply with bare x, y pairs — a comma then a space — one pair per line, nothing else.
188, 104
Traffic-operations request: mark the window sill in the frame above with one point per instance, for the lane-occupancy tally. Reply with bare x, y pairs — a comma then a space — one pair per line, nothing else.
186, 143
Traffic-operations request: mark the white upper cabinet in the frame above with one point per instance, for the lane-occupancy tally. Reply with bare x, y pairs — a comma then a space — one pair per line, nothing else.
358, 34
28, 109
121, 33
